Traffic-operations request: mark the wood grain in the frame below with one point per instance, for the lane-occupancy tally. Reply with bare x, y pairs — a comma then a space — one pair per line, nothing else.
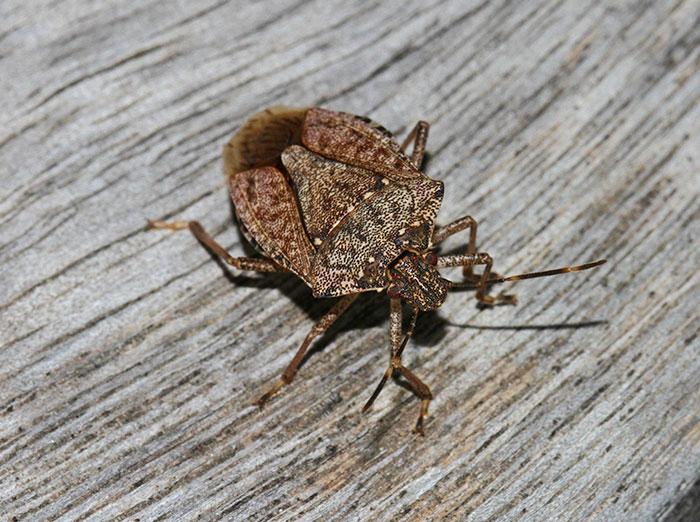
129, 360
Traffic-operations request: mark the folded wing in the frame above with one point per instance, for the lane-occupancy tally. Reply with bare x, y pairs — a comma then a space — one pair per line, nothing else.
267, 210
356, 141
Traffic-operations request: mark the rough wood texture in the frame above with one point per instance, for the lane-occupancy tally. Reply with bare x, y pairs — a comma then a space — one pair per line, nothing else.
129, 361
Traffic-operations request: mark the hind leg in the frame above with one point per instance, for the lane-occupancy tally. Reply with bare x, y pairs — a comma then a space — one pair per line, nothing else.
419, 137
242, 263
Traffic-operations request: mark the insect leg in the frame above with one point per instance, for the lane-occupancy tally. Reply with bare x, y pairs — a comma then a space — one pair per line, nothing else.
442, 233
421, 390
398, 343
318, 329
242, 263
463, 223
419, 137
481, 287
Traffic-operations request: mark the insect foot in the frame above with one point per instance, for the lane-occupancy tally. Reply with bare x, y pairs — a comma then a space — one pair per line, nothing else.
274, 390
334, 199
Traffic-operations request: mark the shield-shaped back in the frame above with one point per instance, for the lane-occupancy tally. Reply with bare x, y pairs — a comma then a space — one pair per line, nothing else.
327, 190
355, 257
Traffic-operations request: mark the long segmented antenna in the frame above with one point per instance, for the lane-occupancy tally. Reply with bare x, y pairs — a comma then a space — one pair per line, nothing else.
545, 273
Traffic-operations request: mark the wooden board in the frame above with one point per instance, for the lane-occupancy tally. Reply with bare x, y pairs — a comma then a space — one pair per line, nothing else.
129, 360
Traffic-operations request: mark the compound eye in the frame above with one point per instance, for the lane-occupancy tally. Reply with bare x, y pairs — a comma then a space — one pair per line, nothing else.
393, 291
431, 258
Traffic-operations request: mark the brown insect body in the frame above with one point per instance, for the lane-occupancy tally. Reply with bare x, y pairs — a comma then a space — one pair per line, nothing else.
333, 198
357, 220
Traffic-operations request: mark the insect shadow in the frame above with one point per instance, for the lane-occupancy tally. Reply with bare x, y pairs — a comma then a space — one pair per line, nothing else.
552, 326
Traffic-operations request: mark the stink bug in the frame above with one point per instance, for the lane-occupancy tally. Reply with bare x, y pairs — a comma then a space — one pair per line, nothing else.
333, 198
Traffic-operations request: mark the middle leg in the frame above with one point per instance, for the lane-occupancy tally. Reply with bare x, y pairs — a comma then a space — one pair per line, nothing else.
482, 286
318, 329
469, 259
463, 223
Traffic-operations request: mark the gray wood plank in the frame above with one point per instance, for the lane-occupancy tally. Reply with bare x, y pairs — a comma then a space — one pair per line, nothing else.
129, 361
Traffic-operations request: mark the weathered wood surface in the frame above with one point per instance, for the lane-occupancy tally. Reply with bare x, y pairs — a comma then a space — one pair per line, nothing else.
129, 361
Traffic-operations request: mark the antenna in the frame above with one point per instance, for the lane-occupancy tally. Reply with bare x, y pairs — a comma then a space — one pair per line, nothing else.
546, 273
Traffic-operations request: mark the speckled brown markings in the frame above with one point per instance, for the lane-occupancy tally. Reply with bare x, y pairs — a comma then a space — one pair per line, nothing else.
333, 198
327, 190
266, 204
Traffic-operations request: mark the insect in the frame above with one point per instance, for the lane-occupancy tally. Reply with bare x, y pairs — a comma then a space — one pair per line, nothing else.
334, 198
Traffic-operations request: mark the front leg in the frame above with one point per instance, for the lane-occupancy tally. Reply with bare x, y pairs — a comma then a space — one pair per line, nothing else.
398, 343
